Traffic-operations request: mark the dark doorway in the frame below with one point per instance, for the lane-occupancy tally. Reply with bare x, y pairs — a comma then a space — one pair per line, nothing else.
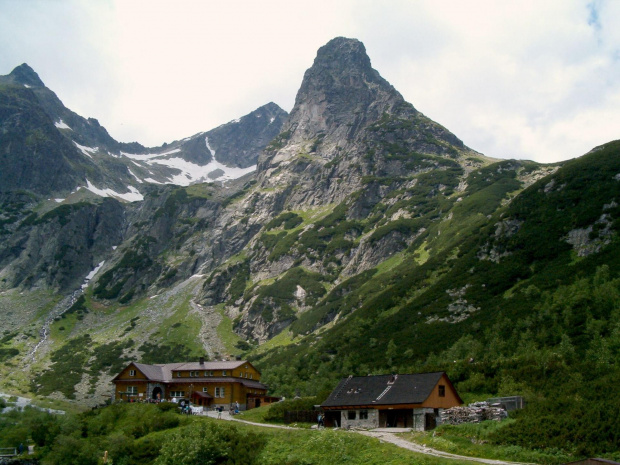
429, 421
399, 418
158, 394
257, 403
333, 419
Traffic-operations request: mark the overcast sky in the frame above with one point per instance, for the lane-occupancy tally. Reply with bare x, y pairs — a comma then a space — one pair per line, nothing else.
513, 79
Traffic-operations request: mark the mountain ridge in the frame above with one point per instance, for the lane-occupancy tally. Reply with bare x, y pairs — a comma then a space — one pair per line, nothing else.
369, 239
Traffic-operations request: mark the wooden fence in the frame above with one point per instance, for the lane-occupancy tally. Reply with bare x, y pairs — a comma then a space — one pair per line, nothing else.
300, 416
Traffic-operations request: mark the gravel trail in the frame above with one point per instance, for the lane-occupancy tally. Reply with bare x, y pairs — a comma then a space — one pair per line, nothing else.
400, 442
388, 437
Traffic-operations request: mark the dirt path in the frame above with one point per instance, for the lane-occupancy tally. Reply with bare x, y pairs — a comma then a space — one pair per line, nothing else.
226, 416
387, 437
400, 442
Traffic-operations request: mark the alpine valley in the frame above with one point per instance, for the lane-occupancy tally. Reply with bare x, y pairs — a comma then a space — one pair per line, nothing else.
351, 236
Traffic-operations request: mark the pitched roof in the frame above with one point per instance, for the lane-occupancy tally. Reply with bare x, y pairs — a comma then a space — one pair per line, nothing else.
223, 365
163, 371
383, 390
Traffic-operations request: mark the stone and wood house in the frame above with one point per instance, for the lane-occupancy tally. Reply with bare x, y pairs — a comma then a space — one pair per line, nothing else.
383, 401
207, 384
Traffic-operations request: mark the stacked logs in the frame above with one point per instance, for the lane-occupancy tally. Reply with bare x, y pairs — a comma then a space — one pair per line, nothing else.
474, 413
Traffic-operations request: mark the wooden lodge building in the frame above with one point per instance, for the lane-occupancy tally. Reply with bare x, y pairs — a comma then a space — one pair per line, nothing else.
207, 384
383, 401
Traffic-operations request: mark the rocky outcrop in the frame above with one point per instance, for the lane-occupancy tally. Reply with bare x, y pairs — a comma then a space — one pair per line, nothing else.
59, 248
348, 132
240, 142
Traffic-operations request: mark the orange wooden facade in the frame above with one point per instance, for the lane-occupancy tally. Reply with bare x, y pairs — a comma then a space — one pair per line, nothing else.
205, 383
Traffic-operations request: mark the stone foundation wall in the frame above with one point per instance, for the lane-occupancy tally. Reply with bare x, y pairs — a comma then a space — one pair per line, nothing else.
371, 422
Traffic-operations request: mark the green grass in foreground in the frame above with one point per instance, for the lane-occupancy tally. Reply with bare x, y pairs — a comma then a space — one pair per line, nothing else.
144, 434
471, 439
256, 415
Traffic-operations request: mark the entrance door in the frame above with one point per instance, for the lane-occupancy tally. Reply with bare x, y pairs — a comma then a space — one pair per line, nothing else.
429, 421
333, 419
157, 394
399, 418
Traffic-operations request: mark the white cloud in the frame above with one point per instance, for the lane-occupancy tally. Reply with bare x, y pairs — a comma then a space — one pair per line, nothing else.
524, 79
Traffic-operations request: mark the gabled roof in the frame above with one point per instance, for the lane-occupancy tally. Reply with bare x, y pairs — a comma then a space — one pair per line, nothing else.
224, 365
163, 372
383, 390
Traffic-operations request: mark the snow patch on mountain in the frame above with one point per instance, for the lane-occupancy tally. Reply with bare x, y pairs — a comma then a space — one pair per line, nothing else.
192, 173
137, 178
149, 156
132, 196
62, 125
211, 151
91, 275
86, 150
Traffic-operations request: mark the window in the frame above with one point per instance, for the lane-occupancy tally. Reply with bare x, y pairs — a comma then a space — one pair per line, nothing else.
132, 372
351, 414
442, 391
177, 393
132, 390
178, 374
223, 372
194, 374
204, 389
363, 414
208, 373
219, 392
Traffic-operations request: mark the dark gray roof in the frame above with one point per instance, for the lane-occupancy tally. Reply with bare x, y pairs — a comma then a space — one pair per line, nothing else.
223, 365
164, 371
383, 390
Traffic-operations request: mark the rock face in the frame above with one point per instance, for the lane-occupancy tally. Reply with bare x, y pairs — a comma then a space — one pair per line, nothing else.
349, 130
240, 142
57, 164
59, 248
46, 148
363, 222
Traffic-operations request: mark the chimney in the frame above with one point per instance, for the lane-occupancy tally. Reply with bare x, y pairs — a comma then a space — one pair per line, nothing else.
202, 360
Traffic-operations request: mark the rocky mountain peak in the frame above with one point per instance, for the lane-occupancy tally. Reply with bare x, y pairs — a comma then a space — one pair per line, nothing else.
24, 74
339, 96
343, 54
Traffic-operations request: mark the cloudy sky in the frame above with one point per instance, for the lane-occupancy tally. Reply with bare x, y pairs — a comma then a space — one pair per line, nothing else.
514, 79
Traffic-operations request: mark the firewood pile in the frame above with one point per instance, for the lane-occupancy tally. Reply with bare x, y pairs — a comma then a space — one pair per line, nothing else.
473, 413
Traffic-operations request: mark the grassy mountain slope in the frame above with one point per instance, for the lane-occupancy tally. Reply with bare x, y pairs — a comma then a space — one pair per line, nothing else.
370, 240
518, 306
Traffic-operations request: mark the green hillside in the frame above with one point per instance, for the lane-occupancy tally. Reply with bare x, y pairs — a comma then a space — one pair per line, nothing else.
541, 320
